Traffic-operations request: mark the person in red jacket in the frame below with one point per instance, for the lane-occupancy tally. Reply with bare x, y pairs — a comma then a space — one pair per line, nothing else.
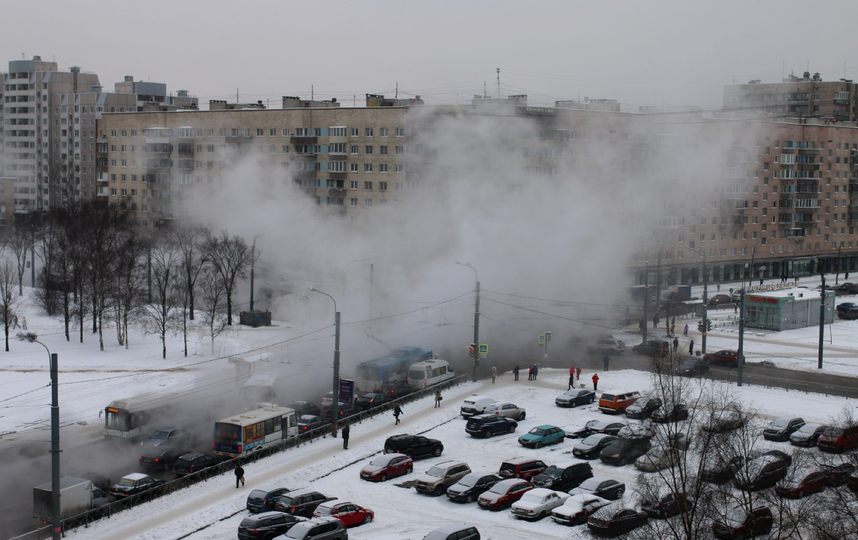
595, 381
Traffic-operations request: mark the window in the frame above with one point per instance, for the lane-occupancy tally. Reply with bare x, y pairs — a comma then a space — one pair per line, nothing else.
367, 167
355, 132
353, 167
367, 203
398, 168
382, 150
382, 132
399, 150
382, 167
284, 132
353, 184
382, 186
353, 149
368, 149
367, 186
260, 132
353, 201
337, 132
400, 132
368, 132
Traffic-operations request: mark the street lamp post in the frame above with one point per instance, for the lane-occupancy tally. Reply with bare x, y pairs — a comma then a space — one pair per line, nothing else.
252, 264
705, 330
740, 362
821, 317
56, 521
646, 300
336, 401
476, 320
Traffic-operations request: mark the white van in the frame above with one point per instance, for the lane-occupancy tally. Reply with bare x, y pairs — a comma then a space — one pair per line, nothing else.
429, 372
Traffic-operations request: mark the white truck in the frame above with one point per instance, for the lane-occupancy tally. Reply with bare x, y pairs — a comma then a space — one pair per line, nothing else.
77, 495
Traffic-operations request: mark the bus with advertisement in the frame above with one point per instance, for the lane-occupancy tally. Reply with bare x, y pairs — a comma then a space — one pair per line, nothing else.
251, 431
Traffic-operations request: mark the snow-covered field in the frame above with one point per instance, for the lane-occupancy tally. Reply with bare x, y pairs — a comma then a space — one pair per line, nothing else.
91, 378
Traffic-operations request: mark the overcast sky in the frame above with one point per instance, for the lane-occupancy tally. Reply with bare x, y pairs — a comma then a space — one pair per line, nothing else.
656, 52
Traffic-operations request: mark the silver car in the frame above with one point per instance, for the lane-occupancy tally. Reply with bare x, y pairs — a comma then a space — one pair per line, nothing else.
510, 410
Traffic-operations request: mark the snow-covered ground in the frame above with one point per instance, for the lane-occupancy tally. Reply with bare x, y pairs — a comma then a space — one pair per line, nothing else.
90, 379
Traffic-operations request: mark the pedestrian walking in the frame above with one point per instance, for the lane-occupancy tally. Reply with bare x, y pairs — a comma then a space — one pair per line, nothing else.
24, 325
641, 325
718, 286
530, 373
672, 330
571, 381
15, 321
673, 321
655, 321
685, 330
535, 371
346, 431
396, 412
494, 374
515, 372
595, 381
438, 398
691, 347
606, 360
675, 345
577, 373
846, 276
239, 476
761, 282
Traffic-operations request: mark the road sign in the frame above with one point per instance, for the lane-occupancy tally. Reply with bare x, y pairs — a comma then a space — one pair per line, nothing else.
542, 339
484, 350
347, 391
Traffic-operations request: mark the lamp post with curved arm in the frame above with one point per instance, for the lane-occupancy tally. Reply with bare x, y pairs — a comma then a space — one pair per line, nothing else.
476, 320
705, 331
336, 402
56, 520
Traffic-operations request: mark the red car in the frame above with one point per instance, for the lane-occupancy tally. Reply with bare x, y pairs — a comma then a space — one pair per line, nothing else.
387, 466
504, 493
349, 513
725, 357
803, 484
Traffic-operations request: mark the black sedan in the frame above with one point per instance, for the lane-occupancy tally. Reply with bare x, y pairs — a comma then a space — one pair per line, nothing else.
345, 410
574, 432
692, 367
643, 407
592, 445
721, 300
372, 400
625, 450
653, 347
160, 458
396, 389
308, 422
670, 413
601, 486
305, 407
615, 520
134, 484
575, 397
667, 506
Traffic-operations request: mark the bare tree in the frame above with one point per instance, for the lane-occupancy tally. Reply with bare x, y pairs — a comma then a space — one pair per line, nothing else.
213, 303
165, 257
9, 299
230, 258
191, 241
18, 237
130, 280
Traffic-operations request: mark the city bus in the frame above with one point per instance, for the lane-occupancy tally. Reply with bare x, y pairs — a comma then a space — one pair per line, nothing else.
372, 374
253, 430
129, 418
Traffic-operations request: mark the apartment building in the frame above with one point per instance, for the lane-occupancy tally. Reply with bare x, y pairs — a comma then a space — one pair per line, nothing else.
796, 97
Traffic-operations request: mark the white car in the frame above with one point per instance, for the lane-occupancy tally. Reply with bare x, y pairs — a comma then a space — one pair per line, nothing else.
577, 508
658, 459
510, 410
538, 503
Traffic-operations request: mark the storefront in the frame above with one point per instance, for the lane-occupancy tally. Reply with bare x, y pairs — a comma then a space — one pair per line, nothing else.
786, 309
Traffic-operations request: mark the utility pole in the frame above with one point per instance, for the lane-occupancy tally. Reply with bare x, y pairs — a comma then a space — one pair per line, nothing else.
705, 306
476, 353
821, 321
646, 300
741, 359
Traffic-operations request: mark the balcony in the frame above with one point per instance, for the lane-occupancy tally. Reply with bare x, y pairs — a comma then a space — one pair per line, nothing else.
336, 192
808, 166
853, 217
809, 151
337, 175
841, 101
806, 209
303, 139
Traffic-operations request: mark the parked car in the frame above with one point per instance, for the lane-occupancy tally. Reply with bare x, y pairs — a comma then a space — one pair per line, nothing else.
328, 399
413, 446
763, 471
669, 505
658, 459
266, 525
607, 426
524, 468
679, 441
160, 458
838, 439
471, 486
507, 409
461, 531
719, 469
653, 347
624, 450
721, 300
134, 484
168, 435
617, 402
574, 397
486, 425
781, 428
563, 476
723, 421
194, 462
577, 508
349, 513
848, 288
306, 407
637, 430
344, 410
592, 446
848, 314
671, 412
601, 486
807, 434
725, 357
372, 400
537, 503
504, 493
302, 502
607, 346
616, 519
744, 523
396, 389
474, 405
692, 367
845, 306
318, 528
386, 466
438, 478
308, 422
263, 499
837, 475
802, 483
579, 432
643, 407
543, 435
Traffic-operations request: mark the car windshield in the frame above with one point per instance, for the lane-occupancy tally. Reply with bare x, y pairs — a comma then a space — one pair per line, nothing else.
537, 431
499, 489
381, 461
470, 480
608, 397
640, 403
160, 434
688, 364
257, 494
437, 472
809, 429
126, 482
832, 432
592, 440
553, 471
781, 422
591, 484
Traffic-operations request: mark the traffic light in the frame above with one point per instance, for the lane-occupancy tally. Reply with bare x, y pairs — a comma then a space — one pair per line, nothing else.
708, 325
700, 326
707, 328
472, 350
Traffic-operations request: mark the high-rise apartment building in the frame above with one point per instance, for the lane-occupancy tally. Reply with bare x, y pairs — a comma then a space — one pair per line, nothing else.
796, 97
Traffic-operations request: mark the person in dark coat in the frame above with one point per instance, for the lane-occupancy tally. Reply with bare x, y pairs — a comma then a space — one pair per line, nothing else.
437, 399
346, 431
535, 371
515, 372
239, 476
571, 381
396, 412
675, 344
607, 361
691, 347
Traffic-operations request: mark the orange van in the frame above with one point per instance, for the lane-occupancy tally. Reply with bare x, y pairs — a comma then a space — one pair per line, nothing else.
617, 402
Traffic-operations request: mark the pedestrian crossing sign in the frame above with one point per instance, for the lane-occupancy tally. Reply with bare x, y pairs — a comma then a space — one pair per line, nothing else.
484, 349
542, 339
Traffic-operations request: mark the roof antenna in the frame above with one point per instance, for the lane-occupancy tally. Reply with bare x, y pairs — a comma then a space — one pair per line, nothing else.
498, 70
397, 90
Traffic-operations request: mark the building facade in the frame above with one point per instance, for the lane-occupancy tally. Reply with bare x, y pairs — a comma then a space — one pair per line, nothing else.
796, 97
